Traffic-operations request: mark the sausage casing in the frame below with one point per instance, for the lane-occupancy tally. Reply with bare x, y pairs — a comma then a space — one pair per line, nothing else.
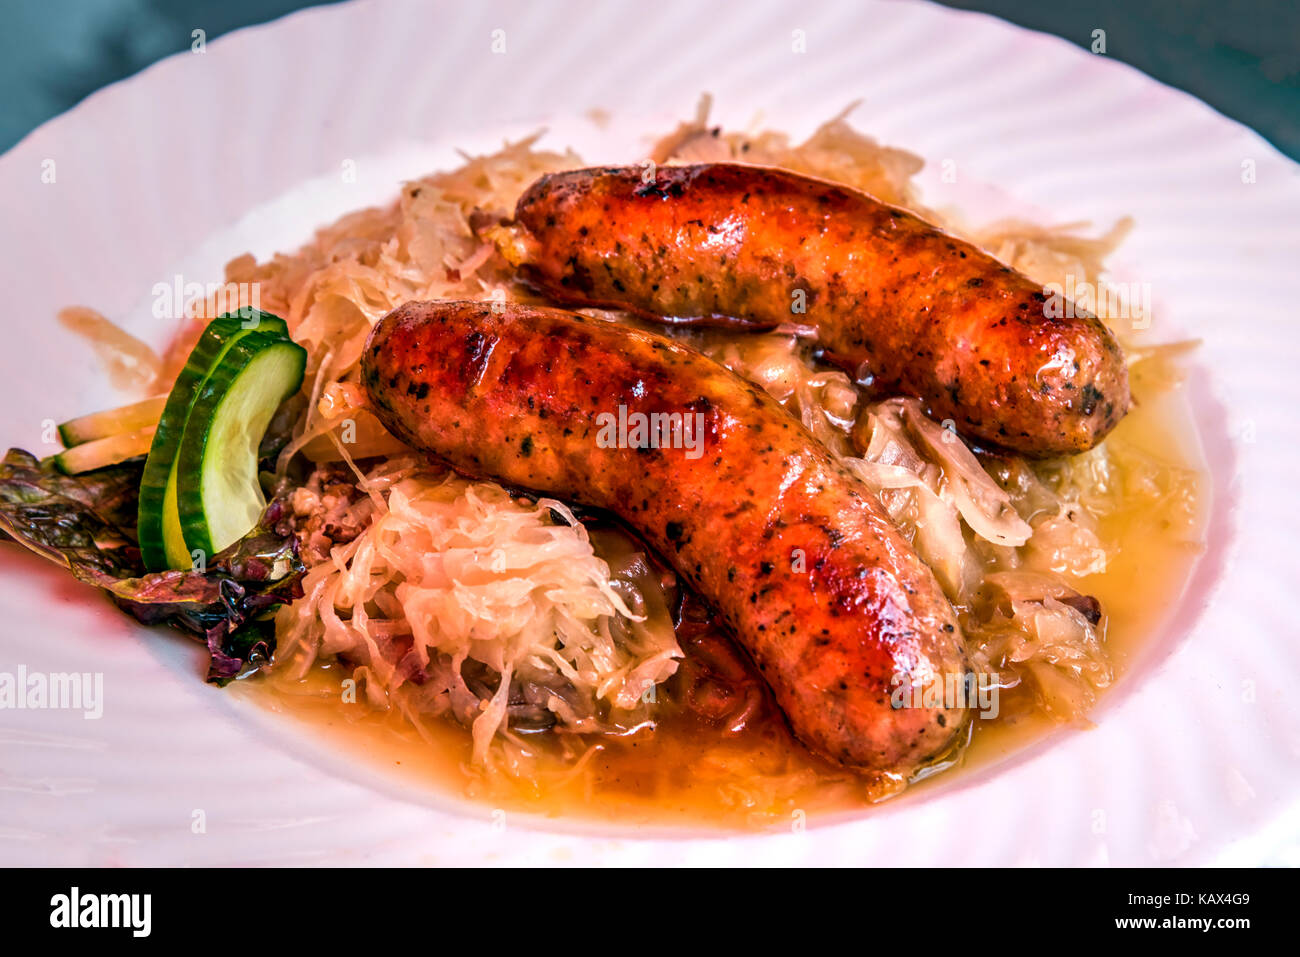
796, 554
897, 302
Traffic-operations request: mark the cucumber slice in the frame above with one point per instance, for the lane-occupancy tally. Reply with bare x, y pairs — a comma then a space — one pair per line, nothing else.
107, 451
218, 495
100, 425
162, 544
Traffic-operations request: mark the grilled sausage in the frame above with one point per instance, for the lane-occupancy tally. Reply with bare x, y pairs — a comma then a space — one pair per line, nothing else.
895, 301
800, 560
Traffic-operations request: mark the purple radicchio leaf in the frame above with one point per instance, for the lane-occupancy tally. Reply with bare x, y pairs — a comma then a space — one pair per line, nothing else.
86, 523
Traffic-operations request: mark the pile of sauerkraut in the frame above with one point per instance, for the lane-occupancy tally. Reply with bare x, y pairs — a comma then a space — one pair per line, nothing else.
458, 600
455, 599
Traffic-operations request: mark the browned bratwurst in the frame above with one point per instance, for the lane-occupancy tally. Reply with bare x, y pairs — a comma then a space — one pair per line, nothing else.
798, 557
893, 299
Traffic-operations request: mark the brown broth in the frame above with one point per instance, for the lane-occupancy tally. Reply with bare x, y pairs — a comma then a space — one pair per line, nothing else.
688, 771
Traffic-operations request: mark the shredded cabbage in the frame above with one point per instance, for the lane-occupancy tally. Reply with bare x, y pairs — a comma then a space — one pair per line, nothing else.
131, 365
457, 599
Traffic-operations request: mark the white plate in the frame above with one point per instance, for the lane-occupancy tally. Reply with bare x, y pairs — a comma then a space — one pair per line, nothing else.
1196, 755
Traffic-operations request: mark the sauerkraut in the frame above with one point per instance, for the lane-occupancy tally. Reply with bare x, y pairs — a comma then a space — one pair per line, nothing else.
458, 600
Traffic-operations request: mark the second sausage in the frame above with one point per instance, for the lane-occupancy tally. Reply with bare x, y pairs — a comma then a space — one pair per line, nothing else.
894, 300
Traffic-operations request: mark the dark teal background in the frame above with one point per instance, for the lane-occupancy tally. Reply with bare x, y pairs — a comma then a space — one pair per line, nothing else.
1243, 58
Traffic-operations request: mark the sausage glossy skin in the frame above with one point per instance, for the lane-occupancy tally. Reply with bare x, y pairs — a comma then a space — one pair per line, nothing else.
918, 311
797, 556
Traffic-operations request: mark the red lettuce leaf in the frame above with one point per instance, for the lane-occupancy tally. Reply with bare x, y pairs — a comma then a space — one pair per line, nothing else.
86, 523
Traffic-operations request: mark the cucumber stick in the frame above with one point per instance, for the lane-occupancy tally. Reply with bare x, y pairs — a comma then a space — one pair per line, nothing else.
99, 453
217, 493
101, 425
162, 544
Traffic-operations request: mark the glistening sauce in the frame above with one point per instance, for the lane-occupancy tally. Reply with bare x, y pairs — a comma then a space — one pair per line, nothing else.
691, 771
